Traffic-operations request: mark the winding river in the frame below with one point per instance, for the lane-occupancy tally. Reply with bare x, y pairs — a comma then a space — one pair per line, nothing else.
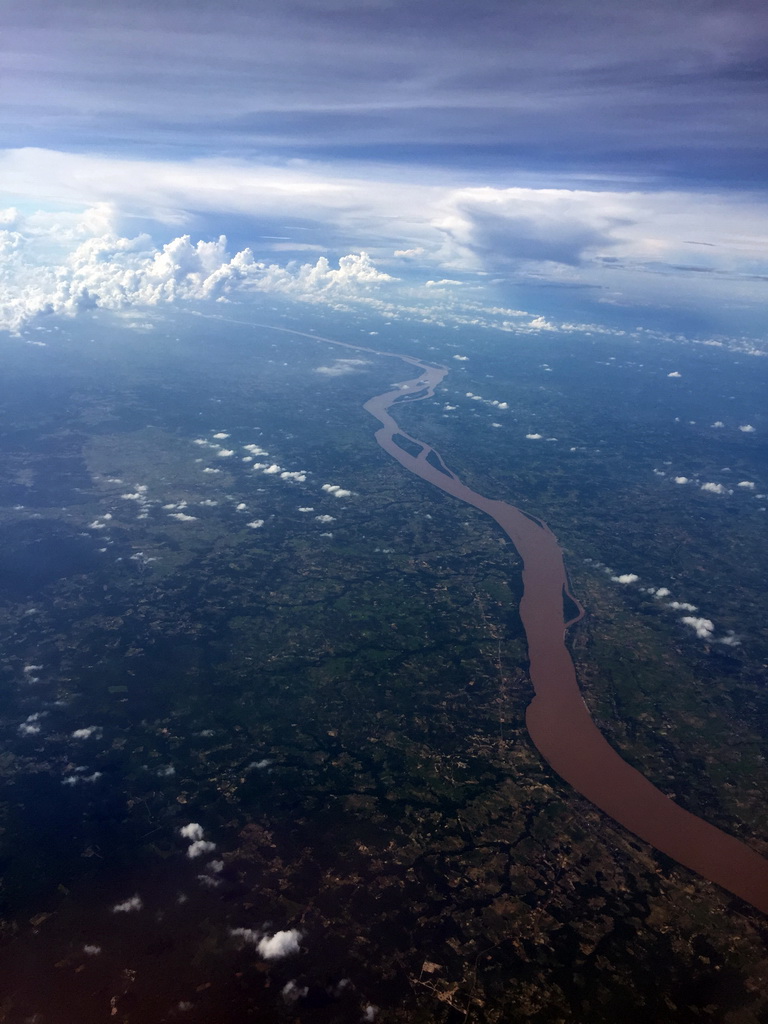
557, 718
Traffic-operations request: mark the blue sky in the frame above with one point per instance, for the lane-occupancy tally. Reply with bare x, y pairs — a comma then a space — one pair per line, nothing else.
518, 152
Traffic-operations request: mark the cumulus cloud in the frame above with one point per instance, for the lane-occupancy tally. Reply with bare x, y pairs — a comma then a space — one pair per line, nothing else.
128, 906
461, 359
682, 606
627, 577
718, 424
79, 777
112, 272
225, 453
292, 992
681, 480
91, 950
675, 373
326, 519
704, 628
249, 935
200, 847
181, 516
30, 727
712, 488
221, 436
255, 524
86, 732
663, 592
193, 831
336, 491
534, 437
274, 947
747, 429
748, 485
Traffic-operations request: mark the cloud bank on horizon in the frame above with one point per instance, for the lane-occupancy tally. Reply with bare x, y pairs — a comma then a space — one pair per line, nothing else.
410, 151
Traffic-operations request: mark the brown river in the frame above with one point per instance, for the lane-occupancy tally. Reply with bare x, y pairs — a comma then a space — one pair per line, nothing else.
557, 718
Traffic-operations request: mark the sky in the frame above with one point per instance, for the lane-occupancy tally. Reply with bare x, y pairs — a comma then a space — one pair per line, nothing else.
517, 162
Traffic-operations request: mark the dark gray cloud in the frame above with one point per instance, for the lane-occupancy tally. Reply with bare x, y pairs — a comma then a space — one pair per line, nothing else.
675, 89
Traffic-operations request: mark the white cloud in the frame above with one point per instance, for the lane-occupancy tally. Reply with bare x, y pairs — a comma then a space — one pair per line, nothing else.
79, 776
534, 437
326, 519
299, 476
221, 436
714, 488
200, 847
305, 508
682, 480
86, 732
747, 429
674, 373
255, 524
246, 934
461, 359
340, 367
254, 449
663, 592
627, 577
336, 491
559, 232
181, 516
682, 606
113, 272
91, 950
748, 485
281, 944
209, 470
129, 905
718, 424
704, 628
225, 453
292, 992
193, 831
271, 470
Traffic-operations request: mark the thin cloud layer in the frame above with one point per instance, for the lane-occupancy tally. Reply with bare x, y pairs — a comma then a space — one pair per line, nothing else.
608, 82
